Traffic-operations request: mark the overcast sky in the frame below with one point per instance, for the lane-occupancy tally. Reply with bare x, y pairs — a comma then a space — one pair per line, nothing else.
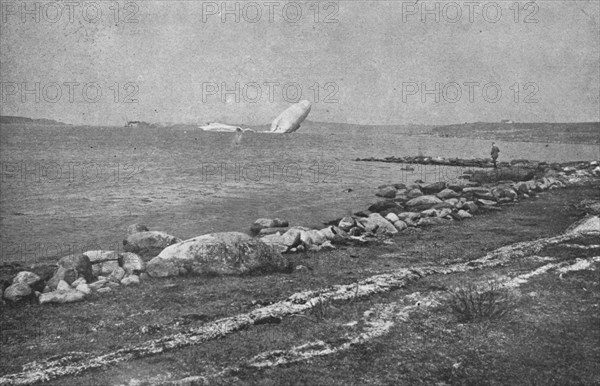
364, 62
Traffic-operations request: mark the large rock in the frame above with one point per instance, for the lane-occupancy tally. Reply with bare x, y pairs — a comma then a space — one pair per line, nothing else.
162, 268
503, 192
434, 187
463, 214
108, 267
64, 296
101, 256
283, 243
400, 225
413, 193
447, 193
312, 237
589, 224
70, 268
392, 217
130, 280
117, 275
148, 244
377, 224
132, 263
386, 192
424, 202
227, 253
30, 279
346, 223
17, 292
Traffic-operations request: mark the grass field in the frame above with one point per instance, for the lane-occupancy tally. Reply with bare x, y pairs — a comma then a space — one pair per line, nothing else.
551, 336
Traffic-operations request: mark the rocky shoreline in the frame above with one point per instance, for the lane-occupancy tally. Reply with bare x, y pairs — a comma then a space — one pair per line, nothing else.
401, 208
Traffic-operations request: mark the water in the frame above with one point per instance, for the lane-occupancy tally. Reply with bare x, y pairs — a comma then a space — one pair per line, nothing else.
81, 186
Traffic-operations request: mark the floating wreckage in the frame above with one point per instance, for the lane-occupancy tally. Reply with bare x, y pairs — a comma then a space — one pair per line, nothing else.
221, 127
290, 120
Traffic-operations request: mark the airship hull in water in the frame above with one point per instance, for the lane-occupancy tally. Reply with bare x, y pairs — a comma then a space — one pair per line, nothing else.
290, 120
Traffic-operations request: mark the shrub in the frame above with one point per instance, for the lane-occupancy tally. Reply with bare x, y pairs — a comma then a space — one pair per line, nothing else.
477, 302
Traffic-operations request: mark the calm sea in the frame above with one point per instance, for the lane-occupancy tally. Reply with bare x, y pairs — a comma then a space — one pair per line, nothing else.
81, 186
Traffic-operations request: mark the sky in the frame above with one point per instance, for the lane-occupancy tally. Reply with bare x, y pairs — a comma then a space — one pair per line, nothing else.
362, 62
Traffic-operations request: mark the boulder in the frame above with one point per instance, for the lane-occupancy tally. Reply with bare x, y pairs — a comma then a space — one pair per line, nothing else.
378, 224
84, 288
486, 202
70, 268
79, 263
504, 192
392, 217
149, 243
444, 213
452, 201
97, 285
386, 192
522, 187
30, 279
312, 237
346, 223
400, 225
135, 228
101, 256
17, 292
447, 193
589, 224
108, 267
131, 263
429, 213
433, 188
284, 242
423, 202
65, 296
116, 275
226, 253
63, 286
463, 214
78, 282
130, 280
413, 193
471, 206
455, 186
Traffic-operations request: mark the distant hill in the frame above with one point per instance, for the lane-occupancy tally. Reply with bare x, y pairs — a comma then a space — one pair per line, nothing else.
544, 132
7, 119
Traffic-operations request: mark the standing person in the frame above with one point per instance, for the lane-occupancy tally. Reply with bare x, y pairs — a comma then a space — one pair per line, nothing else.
494, 153
237, 140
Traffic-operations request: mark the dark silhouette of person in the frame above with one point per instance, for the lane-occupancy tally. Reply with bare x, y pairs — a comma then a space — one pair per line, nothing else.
495, 151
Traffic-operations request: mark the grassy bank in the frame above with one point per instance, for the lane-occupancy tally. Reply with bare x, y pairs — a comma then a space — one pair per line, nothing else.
550, 338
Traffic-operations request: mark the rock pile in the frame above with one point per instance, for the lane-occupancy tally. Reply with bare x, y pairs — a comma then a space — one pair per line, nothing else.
158, 254
428, 204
